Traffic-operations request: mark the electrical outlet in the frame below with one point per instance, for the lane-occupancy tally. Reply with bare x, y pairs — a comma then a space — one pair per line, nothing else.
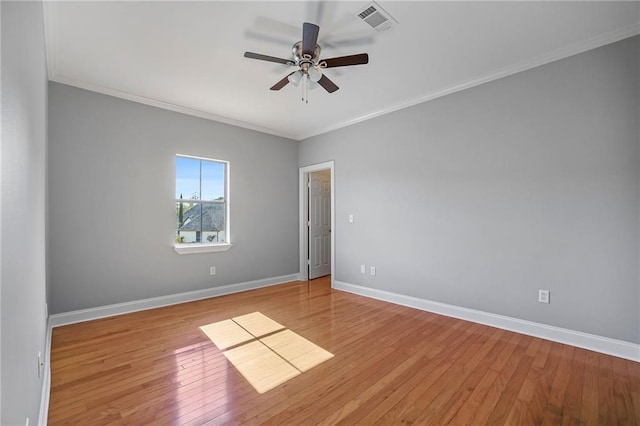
543, 296
362, 269
372, 270
212, 270
350, 218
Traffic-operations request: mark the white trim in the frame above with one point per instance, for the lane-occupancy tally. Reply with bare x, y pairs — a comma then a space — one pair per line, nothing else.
195, 157
43, 415
619, 348
210, 247
166, 105
303, 197
82, 315
73, 317
564, 52
554, 55
604, 345
201, 248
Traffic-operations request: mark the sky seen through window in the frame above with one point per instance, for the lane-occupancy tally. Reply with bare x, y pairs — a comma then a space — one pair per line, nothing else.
190, 181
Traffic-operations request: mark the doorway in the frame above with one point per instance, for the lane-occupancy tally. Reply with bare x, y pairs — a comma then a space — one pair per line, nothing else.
319, 223
317, 217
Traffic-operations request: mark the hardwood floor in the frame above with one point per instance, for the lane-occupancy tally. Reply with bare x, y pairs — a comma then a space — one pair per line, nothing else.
391, 365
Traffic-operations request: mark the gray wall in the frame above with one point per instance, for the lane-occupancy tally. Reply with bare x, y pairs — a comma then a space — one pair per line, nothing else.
112, 205
23, 170
480, 198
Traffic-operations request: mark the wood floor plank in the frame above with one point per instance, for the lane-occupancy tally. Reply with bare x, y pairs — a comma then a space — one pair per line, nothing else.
554, 400
606, 401
494, 383
622, 395
350, 362
589, 412
418, 399
525, 410
368, 391
390, 364
573, 400
467, 375
382, 352
384, 400
464, 394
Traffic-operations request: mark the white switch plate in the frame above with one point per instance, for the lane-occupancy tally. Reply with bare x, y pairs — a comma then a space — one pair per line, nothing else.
362, 269
372, 270
212, 270
543, 296
350, 218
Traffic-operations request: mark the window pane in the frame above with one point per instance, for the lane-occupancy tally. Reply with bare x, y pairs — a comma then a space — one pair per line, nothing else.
201, 207
187, 178
200, 222
212, 181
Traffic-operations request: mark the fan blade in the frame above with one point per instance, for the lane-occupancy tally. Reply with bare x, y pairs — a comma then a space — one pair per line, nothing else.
345, 61
328, 85
309, 38
260, 57
279, 85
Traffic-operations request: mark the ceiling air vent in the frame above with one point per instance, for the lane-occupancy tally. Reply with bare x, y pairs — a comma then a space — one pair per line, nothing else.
376, 17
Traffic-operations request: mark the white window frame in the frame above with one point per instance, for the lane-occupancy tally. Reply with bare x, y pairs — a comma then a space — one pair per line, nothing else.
193, 248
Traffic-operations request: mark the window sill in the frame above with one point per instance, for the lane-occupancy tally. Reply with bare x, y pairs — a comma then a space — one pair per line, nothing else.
201, 248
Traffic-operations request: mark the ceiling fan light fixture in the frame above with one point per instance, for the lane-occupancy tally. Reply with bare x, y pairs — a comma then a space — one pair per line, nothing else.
314, 74
295, 78
306, 56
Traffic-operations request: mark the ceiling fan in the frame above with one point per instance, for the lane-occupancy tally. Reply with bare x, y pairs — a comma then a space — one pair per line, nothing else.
306, 56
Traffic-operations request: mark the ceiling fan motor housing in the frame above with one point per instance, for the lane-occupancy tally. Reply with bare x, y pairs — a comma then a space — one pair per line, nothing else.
296, 50
306, 55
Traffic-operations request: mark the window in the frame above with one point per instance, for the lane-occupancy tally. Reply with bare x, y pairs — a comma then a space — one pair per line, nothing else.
202, 205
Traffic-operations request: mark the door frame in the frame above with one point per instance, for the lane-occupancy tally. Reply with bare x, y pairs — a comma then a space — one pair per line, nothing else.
304, 230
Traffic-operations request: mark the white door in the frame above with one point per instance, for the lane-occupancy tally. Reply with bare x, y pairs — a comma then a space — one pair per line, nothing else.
319, 222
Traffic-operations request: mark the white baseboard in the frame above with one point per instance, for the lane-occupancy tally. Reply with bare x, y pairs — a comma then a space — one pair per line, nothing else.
82, 315
604, 345
43, 415
619, 348
73, 317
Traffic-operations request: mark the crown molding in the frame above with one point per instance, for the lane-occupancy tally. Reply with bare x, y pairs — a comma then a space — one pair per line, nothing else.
168, 106
555, 55
48, 8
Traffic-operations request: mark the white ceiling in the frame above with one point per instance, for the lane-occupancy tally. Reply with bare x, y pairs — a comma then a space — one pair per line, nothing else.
188, 56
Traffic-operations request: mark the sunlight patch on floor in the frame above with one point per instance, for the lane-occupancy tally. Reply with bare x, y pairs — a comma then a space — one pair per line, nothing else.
297, 350
263, 368
226, 334
263, 351
257, 324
